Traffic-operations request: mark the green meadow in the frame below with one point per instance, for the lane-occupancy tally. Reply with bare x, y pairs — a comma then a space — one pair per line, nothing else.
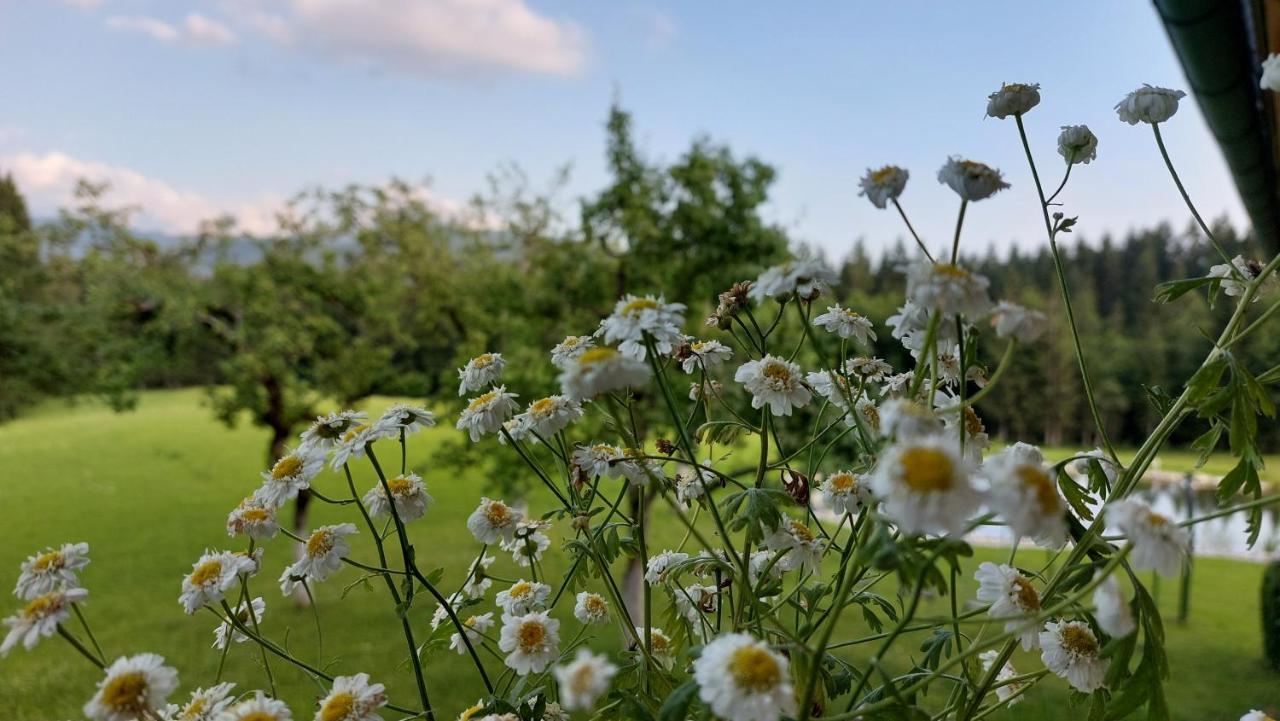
149, 491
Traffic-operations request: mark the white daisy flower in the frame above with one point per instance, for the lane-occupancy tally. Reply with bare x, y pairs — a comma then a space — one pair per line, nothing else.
601, 370
327, 430
1230, 274
591, 608
1270, 80
409, 493
39, 618
523, 597
775, 382
133, 687
694, 601
759, 562
845, 492
883, 184
478, 581
802, 548
476, 627
292, 473
554, 712
637, 469
354, 442
584, 680
1159, 544
1077, 144
493, 521
1110, 468
1256, 715
1149, 104
831, 385
1005, 690
1070, 650
353, 698
487, 412
205, 704
548, 416
254, 518
1013, 99
1025, 496
1114, 615
869, 412
1010, 594
568, 350
531, 642
50, 569
480, 372
704, 354
259, 708
926, 486
948, 289
870, 369
226, 633
1013, 321
598, 461
970, 179
633, 317
528, 542
805, 276
898, 384
407, 418
657, 569
660, 648
741, 678
469, 713
211, 577
905, 419
323, 554
452, 602
691, 485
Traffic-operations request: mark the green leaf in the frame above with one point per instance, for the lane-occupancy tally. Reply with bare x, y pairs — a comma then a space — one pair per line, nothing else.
676, 707
1206, 443
1076, 496
1170, 291
1206, 379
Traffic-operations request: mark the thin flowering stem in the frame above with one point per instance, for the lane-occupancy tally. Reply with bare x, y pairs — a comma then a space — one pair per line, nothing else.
84, 623
912, 230
77, 645
315, 614
1063, 184
1186, 198
1086, 379
222, 657
955, 244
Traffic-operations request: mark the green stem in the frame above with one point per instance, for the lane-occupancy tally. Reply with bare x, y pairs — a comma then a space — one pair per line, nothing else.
1186, 198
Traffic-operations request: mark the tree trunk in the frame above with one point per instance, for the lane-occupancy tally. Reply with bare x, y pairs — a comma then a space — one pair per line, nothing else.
633, 582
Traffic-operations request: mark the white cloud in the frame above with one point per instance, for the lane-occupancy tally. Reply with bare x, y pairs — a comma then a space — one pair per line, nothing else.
195, 30
426, 38
49, 180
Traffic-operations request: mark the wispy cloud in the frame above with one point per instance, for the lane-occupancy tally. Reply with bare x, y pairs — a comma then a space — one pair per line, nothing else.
195, 30
424, 38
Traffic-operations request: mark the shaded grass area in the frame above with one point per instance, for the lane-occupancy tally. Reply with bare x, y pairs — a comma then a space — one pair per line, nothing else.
149, 491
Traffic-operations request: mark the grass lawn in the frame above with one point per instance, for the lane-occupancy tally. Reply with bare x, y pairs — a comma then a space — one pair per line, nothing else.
150, 490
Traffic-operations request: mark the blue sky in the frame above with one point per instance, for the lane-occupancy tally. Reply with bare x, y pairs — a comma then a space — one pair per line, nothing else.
192, 108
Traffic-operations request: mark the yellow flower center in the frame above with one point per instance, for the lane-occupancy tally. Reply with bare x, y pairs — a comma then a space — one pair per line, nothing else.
639, 305
844, 482
43, 604
195, 708
883, 174
1046, 496
470, 622
484, 360
400, 486
872, 414
597, 355
583, 676
338, 707
972, 423
1028, 599
520, 590
755, 669
542, 406
1079, 641
531, 636
255, 514
258, 716
468, 713
851, 314
495, 512
594, 604
354, 432
1156, 520
778, 373
206, 572
658, 642
320, 543
482, 400
801, 531
927, 470
572, 342
126, 693
49, 561
951, 270
286, 467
